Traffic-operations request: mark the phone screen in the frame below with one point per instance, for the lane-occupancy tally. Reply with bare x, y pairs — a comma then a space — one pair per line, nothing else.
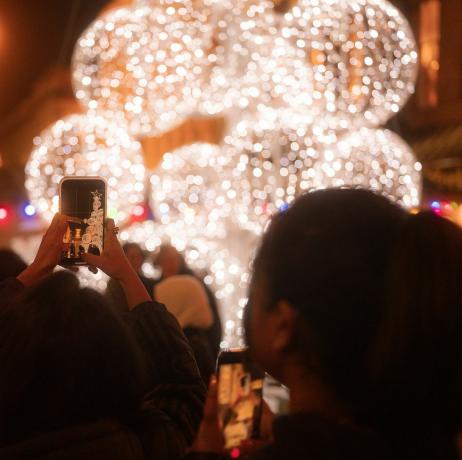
83, 201
240, 388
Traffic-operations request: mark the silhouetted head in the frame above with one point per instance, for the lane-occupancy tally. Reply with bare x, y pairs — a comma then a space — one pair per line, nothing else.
171, 262
353, 291
135, 255
65, 359
11, 265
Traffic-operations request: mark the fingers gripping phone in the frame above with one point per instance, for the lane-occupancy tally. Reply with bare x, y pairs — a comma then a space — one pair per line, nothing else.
240, 397
83, 201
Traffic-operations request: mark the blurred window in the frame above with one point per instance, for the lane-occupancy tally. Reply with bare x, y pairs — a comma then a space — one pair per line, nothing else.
430, 38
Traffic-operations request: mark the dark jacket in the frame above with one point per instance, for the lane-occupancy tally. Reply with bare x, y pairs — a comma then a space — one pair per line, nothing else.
115, 295
171, 412
309, 437
305, 436
205, 360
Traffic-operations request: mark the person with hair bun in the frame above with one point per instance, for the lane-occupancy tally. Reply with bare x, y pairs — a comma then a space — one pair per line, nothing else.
355, 306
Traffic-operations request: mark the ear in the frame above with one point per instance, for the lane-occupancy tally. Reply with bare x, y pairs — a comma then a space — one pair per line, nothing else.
284, 318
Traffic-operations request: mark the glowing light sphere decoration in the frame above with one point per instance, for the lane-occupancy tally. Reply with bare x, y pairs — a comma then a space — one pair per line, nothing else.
185, 196
363, 56
270, 165
85, 145
250, 64
375, 159
143, 64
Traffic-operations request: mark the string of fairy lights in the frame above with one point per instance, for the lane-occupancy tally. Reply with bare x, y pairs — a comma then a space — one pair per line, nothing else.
304, 94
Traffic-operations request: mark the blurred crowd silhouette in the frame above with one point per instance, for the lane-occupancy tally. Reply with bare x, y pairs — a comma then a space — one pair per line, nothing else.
353, 305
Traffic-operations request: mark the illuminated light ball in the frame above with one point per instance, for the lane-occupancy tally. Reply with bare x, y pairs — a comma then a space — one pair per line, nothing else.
185, 196
375, 159
29, 210
143, 64
250, 63
84, 145
363, 55
270, 165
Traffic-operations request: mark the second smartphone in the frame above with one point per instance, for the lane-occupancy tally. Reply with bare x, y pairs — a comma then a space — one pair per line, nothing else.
240, 397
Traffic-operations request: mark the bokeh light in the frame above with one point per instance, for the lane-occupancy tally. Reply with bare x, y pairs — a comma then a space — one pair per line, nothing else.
84, 145
363, 56
185, 196
376, 159
143, 64
270, 164
251, 64
29, 210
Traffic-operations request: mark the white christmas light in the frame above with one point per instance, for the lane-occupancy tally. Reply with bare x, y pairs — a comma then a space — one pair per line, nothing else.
270, 165
143, 64
185, 196
375, 159
251, 64
84, 145
363, 55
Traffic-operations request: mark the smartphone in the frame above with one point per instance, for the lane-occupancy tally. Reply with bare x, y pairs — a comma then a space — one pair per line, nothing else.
83, 201
240, 397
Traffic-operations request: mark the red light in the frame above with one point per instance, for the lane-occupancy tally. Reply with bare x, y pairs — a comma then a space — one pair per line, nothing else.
235, 453
3, 213
138, 210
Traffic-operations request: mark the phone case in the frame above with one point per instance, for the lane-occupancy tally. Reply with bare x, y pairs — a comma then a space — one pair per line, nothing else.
83, 200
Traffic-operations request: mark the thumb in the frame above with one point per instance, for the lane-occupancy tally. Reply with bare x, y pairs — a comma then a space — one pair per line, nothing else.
92, 259
211, 403
109, 236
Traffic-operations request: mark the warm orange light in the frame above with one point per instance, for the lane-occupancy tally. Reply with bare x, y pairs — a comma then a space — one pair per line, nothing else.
430, 37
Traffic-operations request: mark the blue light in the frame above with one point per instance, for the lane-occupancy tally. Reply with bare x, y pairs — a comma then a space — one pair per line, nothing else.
436, 205
29, 210
284, 207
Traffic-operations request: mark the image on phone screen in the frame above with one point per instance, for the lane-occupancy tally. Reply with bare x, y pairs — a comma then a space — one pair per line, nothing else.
239, 402
83, 202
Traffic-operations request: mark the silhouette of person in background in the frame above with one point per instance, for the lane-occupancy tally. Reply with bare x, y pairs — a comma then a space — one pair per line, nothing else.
185, 297
171, 262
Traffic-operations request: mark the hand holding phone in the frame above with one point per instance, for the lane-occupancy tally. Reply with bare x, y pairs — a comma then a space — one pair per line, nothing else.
83, 201
240, 397
49, 252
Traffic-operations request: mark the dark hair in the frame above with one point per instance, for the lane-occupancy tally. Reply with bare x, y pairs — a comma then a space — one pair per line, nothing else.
130, 245
378, 291
11, 265
184, 268
65, 359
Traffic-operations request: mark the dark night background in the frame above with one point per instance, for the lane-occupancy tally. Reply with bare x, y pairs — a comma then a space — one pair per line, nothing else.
34, 35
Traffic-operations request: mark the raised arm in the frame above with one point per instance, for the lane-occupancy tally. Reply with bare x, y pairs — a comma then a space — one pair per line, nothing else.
48, 256
174, 401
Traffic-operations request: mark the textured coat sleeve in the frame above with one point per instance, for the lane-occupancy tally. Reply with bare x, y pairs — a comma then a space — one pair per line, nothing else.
10, 288
174, 404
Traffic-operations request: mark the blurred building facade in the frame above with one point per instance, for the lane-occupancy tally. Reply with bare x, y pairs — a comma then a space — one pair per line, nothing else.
432, 120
